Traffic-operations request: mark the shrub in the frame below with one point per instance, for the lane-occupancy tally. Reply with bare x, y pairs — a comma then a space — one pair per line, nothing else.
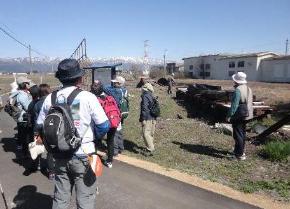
157, 73
276, 150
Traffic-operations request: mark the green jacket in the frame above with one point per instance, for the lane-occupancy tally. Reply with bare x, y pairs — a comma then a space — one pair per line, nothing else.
234, 103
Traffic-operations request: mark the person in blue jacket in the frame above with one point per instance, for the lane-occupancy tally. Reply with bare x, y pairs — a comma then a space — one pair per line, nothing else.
23, 99
119, 92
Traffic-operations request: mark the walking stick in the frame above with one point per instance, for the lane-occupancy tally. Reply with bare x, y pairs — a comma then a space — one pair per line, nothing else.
3, 195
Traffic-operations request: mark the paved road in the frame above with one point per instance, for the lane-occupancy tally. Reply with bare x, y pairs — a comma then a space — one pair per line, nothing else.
122, 187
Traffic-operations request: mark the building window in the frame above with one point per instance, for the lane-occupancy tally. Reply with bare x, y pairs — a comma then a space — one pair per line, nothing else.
207, 66
201, 66
241, 64
204, 74
190, 67
231, 72
232, 65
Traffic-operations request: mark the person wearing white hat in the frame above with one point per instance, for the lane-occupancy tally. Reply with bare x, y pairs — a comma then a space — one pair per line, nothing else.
22, 101
241, 110
120, 94
119, 81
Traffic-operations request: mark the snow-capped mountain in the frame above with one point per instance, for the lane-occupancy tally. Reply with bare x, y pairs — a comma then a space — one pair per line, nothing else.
22, 64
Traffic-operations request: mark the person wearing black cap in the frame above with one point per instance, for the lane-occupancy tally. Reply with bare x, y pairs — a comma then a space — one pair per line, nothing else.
87, 114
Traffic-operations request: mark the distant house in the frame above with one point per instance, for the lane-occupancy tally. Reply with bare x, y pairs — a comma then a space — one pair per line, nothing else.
173, 67
275, 69
205, 67
223, 66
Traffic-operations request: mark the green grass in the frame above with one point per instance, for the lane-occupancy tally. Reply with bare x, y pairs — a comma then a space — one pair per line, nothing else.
277, 150
281, 187
191, 146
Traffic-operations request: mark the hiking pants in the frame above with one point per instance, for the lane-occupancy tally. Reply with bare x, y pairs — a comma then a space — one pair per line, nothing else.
148, 130
69, 173
110, 143
169, 90
239, 134
118, 142
22, 137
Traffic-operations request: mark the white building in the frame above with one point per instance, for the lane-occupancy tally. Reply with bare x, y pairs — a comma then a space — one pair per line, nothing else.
223, 66
275, 69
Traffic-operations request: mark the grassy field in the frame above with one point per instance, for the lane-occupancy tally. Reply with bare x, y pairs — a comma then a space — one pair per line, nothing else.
5, 81
191, 146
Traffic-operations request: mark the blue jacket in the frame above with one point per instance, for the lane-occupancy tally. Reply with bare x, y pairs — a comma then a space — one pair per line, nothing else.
23, 99
117, 93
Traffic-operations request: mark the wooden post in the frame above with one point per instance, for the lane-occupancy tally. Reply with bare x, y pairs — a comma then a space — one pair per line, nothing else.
274, 127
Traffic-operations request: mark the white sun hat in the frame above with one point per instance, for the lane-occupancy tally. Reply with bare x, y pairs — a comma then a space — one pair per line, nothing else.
119, 79
240, 78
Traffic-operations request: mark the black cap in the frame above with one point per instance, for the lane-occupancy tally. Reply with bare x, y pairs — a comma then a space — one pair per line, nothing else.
69, 69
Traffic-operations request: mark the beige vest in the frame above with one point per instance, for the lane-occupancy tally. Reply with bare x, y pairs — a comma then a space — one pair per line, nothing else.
247, 96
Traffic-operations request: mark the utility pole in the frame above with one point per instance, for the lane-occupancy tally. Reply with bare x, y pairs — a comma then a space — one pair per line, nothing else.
146, 58
30, 60
164, 61
286, 50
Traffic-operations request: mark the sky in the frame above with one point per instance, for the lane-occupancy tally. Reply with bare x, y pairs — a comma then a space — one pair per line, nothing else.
116, 28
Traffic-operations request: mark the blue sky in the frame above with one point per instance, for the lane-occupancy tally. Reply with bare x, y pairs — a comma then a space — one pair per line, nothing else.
119, 27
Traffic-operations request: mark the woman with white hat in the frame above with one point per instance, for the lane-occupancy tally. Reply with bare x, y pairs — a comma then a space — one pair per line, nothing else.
241, 110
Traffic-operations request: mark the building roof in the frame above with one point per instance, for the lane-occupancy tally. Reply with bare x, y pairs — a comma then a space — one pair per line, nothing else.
257, 54
285, 57
207, 55
231, 56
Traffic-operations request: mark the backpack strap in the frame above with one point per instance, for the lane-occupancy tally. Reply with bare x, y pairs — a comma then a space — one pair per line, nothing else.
53, 97
73, 95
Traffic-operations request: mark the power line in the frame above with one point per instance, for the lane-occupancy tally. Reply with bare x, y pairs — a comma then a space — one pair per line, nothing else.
8, 34
21, 43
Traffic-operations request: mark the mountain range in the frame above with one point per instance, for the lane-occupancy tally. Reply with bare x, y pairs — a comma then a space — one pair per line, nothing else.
50, 64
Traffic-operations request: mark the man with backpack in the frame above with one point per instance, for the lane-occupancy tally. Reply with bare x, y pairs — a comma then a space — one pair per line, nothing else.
68, 117
21, 100
113, 113
120, 94
44, 90
150, 110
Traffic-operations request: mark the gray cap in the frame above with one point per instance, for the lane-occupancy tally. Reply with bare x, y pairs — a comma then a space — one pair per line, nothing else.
22, 79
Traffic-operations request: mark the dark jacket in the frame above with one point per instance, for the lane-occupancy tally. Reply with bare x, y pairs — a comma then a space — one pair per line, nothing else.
36, 110
146, 103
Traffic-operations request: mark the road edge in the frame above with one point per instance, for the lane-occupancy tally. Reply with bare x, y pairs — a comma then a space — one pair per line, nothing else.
253, 199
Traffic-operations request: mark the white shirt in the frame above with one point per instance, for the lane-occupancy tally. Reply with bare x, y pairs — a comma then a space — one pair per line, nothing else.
86, 111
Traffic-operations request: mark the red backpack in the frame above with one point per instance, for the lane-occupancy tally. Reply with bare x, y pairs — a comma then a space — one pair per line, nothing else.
111, 109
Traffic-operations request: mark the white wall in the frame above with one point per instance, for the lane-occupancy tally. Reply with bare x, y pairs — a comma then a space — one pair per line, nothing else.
195, 62
275, 70
219, 66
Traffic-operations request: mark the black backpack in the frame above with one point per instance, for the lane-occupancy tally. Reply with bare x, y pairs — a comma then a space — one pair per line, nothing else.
59, 133
12, 109
155, 108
